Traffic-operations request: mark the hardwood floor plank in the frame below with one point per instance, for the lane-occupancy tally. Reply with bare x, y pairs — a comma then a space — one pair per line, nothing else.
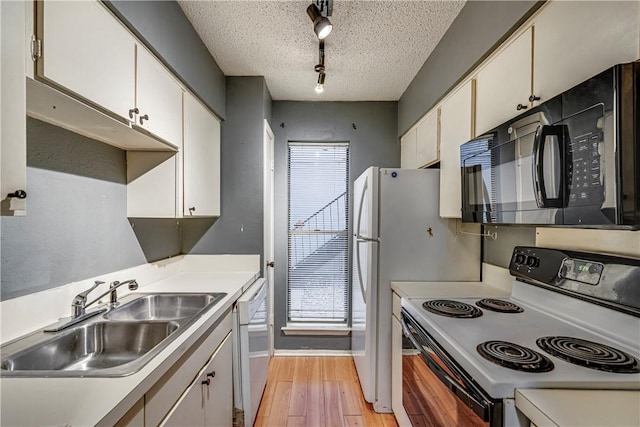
298, 403
328, 368
354, 421
296, 421
345, 369
261, 421
315, 394
332, 404
349, 398
280, 408
388, 420
284, 368
264, 410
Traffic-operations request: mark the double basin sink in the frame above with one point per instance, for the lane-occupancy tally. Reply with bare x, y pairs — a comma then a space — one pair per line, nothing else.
116, 344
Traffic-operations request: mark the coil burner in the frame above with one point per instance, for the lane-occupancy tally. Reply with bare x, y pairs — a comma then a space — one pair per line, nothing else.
499, 305
450, 308
590, 354
514, 356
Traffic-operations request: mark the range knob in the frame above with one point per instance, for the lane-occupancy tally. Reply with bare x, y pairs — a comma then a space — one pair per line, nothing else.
520, 259
533, 261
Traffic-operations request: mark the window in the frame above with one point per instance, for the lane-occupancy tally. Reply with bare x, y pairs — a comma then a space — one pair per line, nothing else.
318, 280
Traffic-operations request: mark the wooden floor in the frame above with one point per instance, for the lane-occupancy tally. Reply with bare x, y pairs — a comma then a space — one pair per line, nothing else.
316, 392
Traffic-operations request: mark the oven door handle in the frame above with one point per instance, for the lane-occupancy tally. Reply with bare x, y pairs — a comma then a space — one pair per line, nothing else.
477, 405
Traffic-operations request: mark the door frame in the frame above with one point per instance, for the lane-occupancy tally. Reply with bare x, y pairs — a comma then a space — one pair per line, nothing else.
268, 223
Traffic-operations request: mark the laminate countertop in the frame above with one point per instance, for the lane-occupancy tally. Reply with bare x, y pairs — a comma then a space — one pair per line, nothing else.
580, 408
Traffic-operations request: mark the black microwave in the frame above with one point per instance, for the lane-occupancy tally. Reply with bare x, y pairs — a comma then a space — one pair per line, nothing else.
573, 160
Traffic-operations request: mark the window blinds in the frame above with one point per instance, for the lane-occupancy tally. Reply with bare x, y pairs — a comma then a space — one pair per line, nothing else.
317, 288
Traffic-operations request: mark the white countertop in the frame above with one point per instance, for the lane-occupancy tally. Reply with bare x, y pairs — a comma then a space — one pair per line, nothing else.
103, 401
446, 290
580, 407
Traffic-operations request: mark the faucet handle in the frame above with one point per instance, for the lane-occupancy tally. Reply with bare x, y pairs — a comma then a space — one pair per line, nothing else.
83, 295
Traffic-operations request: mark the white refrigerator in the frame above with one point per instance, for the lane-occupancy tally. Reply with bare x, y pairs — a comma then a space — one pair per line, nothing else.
399, 236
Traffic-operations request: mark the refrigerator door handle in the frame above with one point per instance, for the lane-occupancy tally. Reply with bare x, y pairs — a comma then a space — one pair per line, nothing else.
361, 239
359, 267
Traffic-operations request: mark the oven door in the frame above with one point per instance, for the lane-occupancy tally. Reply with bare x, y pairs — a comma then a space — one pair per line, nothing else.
436, 391
515, 181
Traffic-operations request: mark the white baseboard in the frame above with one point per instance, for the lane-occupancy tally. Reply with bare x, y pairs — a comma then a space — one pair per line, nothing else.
318, 353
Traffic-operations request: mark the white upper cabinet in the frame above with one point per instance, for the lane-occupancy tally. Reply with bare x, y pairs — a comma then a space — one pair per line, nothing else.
504, 84
455, 129
201, 160
427, 151
577, 40
158, 99
408, 146
88, 52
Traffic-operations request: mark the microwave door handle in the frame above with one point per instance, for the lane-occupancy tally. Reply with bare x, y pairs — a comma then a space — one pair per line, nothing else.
476, 405
561, 133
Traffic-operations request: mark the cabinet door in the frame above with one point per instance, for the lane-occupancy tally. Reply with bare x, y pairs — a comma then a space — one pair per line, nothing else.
218, 395
408, 146
427, 140
503, 84
577, 40
455, 129
189, 410
158, 99
88, 52
201, 160
13, 125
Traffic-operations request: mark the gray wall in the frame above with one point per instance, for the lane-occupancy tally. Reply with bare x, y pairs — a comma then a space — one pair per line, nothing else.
240, 226
479, 27
373, 142
165, 29
76, 225
498, 252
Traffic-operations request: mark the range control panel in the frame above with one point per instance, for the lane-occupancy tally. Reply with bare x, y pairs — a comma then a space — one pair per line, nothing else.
581, 271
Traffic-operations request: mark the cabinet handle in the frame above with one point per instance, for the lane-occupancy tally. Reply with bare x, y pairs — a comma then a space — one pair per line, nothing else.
192, 210
142, 118
521, 107
132, 112
534, 98
211, 374
207, 382
18, 194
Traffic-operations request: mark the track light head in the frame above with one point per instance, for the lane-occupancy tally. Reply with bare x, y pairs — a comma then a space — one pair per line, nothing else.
320, 85
321, 24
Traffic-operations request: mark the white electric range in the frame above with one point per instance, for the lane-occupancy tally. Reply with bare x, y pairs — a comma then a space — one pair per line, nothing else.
572, 322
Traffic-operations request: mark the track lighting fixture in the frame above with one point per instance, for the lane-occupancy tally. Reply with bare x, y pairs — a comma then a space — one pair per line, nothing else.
321, 24
319, 68
320, 85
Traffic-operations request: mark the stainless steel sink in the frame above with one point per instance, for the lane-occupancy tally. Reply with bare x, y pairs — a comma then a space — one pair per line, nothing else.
163, 307
129, 338
100, 345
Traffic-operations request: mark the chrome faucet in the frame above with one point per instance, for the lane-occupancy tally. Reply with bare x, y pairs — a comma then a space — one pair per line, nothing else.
80, 304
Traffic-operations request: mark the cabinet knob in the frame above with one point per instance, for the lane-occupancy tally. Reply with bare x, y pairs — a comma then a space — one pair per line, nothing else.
521, 107
143, 118
132, 112
18, 194
534, 98
206, 382
211, 374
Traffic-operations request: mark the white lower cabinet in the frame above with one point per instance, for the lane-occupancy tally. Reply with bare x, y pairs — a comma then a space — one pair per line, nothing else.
209, 399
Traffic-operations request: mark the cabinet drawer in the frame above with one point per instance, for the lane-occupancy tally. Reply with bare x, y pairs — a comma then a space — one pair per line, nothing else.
164, 394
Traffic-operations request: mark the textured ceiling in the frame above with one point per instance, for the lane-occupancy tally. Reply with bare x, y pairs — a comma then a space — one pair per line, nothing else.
373, 52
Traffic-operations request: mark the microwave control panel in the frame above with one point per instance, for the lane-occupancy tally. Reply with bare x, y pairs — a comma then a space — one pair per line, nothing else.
584, 172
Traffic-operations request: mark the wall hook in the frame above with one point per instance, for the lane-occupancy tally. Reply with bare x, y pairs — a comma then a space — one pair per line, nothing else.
492, 235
